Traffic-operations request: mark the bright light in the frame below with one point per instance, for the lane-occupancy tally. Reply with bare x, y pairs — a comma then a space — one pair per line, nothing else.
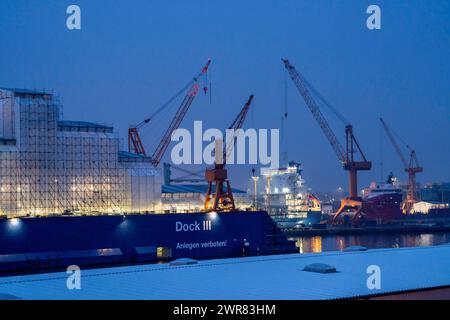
212, 214
14, 222
285, 190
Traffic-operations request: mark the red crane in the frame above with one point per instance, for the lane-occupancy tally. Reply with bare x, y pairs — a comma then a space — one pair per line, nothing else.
134, 140
221, 199
346, 156
412, 167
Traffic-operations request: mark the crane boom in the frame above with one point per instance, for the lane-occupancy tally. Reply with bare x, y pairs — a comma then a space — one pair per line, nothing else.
301, 85
412, 167
345, 156
237, 124
174, 124
135, 144
394, 143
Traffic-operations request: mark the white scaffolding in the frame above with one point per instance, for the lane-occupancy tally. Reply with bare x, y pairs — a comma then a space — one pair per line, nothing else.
51, 166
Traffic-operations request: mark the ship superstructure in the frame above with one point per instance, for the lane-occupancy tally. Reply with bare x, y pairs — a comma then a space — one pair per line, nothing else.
283, 193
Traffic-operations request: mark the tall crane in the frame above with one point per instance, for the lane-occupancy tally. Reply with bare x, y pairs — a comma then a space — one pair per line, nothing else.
221, 199
346, 156
134, 140
411, 167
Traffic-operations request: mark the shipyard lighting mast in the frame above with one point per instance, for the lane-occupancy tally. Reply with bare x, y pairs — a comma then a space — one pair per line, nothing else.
345, 156
412, 167
134, 140
222, 200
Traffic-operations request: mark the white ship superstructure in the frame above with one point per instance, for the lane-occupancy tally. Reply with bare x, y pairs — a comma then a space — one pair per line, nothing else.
284, 194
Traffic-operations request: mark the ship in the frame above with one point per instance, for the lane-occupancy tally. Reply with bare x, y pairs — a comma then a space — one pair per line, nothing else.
285, 196
381, 202
69, 195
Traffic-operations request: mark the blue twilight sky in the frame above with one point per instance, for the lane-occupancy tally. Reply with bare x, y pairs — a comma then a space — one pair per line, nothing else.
131, 56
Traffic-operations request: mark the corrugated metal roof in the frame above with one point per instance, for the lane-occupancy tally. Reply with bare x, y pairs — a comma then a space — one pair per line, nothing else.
30, 93
26, 91
127, 154
269, 277
192, 188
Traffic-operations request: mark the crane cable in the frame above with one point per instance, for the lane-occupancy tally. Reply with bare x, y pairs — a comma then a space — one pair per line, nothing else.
167, 103
339, 115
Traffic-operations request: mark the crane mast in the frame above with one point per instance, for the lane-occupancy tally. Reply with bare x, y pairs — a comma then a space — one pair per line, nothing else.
134, 140
412, 167
221, 200
346, 157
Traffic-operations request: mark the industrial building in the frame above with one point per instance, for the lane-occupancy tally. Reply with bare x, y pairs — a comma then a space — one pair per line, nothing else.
439, 192
53, 166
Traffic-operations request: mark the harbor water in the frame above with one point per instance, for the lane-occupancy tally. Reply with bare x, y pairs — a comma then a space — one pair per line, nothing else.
372, 241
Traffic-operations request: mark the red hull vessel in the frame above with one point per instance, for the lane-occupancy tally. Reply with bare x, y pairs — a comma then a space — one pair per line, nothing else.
382, 203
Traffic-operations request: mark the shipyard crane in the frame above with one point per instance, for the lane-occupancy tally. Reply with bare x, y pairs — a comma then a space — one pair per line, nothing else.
412, 167
134, 140
221, 200
346, 156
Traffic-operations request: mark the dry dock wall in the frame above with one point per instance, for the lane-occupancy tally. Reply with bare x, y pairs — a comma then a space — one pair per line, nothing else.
194, 235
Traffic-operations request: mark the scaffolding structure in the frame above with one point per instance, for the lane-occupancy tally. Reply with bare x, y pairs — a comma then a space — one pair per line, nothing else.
52, 166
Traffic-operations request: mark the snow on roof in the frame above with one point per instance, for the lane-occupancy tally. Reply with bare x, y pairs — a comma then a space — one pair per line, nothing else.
268, 277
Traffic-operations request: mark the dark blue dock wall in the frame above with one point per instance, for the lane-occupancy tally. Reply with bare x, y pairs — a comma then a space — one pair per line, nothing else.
197, 235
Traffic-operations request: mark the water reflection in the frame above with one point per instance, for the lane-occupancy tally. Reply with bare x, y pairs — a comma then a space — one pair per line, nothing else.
311, 244
339, 243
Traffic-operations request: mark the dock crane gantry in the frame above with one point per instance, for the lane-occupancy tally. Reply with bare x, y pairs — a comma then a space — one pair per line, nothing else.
222, 200
412, 167
346, 157
134, 140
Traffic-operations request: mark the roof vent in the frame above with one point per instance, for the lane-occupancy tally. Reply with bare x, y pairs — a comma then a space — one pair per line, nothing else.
182, 262
355, 248
319, 268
